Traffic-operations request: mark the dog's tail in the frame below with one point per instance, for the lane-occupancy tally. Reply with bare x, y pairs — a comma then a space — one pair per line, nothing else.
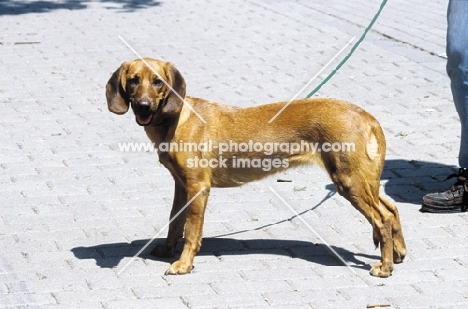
375, 237
375, 150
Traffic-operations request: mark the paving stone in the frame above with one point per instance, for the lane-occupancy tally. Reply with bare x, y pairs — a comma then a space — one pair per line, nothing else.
75, 209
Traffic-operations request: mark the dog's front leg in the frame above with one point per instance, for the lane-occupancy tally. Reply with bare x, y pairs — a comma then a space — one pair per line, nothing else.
194, 218
176, 225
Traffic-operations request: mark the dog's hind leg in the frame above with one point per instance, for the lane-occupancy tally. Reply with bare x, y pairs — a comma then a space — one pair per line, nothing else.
399, 246
356, 176
364, 196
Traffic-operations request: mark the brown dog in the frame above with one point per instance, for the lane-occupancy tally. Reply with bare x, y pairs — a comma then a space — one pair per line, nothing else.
205, 144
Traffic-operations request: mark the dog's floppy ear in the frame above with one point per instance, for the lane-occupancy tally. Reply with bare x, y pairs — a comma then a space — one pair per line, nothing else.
117, 98
174, 101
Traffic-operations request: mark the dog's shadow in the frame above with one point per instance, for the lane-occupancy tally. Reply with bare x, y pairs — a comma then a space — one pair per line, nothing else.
407, 181
110, 255
46, 6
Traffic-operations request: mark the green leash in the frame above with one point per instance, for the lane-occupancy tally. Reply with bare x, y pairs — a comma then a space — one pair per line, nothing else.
355, 46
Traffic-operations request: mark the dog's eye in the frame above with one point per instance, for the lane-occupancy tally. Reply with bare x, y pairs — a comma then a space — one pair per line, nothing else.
157, 82
132, 82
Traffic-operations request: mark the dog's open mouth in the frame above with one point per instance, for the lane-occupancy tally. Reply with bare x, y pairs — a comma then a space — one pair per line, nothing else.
144, 119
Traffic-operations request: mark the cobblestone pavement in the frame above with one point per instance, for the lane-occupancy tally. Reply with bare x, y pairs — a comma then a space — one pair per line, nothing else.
75, 209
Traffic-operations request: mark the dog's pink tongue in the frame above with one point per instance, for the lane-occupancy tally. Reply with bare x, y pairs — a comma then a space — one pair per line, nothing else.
144, 120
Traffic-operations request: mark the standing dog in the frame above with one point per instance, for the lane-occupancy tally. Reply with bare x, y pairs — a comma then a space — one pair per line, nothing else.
156, 92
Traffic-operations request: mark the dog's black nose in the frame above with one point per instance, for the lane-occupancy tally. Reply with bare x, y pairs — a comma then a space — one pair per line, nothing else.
144, 105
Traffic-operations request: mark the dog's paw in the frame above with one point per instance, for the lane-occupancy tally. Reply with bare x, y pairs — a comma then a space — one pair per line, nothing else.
378, 270
163, 251
178, 268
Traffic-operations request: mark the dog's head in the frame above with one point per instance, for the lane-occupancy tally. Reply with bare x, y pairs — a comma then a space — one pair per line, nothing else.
154, 89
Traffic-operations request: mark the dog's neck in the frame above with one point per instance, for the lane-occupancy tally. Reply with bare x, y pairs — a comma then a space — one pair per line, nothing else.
162, 131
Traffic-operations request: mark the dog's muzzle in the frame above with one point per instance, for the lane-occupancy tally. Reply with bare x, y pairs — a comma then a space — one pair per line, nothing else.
143, 113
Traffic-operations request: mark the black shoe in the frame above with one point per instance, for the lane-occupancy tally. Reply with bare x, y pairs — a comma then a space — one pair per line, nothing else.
454, 199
